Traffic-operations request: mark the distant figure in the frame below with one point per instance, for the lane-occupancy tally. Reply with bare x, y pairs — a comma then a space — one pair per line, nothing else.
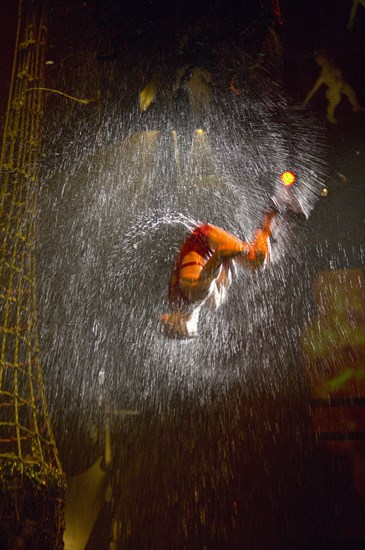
331, 76
271, 52
191, 80
196, 82
202, 273
355, 4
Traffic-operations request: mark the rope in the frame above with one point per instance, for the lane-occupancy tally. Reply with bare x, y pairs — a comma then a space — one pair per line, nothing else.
12, 82
83, 101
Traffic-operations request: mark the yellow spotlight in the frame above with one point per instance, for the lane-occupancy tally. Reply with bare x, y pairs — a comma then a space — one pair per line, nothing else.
147, 96
199, 132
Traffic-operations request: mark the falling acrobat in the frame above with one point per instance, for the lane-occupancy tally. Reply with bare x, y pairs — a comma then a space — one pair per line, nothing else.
202, 272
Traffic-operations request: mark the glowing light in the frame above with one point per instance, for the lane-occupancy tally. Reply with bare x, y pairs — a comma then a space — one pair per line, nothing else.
199, 132
288, 178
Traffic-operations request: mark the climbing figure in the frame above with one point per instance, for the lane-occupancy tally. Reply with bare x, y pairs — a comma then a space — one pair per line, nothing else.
355, 5
196, 83
331, 76
202, 273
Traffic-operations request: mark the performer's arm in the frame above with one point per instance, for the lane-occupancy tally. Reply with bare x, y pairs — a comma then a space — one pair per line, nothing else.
258, 251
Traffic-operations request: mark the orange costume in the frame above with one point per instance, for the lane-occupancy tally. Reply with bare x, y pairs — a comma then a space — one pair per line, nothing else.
202, 272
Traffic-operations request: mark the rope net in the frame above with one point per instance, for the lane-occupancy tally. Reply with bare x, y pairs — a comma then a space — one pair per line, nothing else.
29, 461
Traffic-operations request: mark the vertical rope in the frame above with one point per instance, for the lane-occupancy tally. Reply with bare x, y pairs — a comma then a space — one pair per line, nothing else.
12, 81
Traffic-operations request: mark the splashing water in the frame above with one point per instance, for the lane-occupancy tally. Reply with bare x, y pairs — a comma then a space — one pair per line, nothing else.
113, 219
121, 191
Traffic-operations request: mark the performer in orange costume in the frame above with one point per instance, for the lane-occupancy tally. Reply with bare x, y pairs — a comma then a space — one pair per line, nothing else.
202, 272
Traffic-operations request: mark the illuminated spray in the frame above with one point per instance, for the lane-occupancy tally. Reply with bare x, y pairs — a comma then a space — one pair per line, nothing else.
116, 209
